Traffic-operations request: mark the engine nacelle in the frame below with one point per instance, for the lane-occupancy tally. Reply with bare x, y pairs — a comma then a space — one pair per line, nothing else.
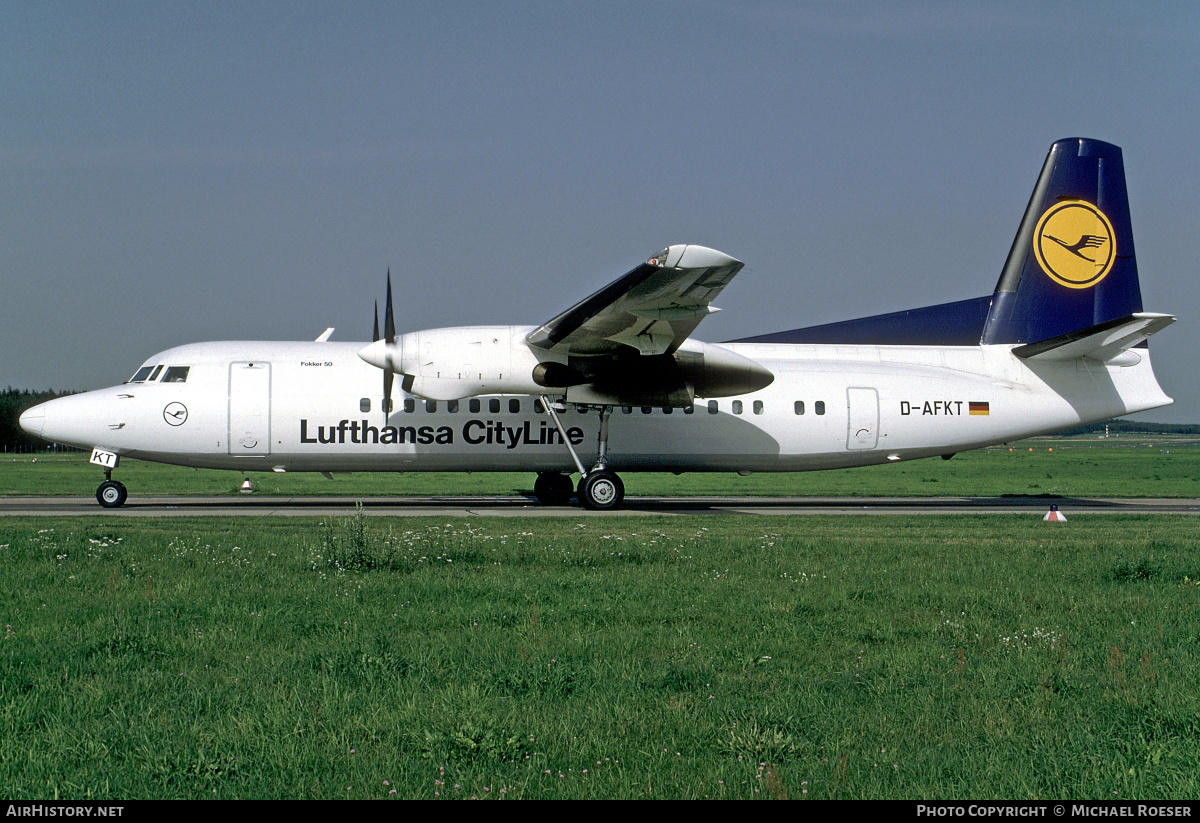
695, 370
452, 363
715, 371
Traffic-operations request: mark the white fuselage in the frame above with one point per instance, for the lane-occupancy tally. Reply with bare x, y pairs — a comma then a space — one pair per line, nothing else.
261, 406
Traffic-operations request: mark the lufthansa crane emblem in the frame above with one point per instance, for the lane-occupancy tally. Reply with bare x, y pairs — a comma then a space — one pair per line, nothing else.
1075, 244
175, 414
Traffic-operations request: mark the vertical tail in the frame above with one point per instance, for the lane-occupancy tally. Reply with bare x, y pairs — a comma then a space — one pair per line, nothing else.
1072, 264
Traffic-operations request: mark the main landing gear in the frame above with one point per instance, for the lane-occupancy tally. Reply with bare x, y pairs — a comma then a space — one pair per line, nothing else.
111, 494
553, 488
599, 489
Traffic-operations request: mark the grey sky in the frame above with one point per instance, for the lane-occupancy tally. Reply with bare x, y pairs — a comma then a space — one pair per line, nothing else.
177, 172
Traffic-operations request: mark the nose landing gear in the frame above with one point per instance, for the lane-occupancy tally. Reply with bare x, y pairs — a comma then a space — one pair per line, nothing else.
111, 494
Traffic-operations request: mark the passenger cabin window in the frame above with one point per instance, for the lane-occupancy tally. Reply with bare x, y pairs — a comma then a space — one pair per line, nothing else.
514, 406
737, 406
473, 406
819, 406
431, 406
410, 405
798, 406
176, 374
758, 407
452, 406
494, 406
364, 405
712, 406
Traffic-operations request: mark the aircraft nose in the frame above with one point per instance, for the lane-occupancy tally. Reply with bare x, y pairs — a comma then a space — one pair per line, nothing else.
34, 420
81, 420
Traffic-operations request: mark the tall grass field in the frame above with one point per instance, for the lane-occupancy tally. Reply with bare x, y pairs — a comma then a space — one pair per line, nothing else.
929, 657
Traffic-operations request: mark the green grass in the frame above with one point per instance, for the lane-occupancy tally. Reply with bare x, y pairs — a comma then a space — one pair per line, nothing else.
706, 656
1077, 467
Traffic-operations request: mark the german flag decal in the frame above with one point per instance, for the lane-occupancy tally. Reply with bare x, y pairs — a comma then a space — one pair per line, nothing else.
979, 407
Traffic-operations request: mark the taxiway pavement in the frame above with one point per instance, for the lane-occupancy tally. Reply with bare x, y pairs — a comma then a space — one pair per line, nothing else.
516, 506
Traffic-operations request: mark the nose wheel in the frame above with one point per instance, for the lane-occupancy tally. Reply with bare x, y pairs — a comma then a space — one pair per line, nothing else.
111, 494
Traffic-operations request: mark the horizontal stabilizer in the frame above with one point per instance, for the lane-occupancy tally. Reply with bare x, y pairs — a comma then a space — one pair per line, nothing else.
1103, 341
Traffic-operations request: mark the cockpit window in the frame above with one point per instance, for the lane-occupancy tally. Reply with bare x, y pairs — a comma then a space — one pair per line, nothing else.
154, 375
141, 375
176, 374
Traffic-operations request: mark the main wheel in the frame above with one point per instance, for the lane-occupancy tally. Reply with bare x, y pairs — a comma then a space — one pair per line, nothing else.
553, 488
601, 490
111, 494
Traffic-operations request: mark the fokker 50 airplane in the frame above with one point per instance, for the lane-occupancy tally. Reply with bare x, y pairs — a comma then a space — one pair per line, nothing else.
616, 383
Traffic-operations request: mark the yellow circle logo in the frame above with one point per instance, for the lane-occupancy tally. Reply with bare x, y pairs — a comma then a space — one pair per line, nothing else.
1075, 244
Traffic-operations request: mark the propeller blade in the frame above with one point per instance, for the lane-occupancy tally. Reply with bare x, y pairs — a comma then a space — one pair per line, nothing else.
375, 334
389, 336
389, 322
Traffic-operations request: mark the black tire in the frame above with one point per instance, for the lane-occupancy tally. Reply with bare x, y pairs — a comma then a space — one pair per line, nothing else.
601, 491
553, 489
111, 494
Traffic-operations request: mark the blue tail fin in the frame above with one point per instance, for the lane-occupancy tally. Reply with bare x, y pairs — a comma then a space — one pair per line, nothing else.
1072, 264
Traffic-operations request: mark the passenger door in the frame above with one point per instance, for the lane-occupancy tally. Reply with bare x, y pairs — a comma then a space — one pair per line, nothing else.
250, 409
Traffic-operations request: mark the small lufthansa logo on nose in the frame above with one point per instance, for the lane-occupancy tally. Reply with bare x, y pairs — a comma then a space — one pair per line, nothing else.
1075, 244
175, 414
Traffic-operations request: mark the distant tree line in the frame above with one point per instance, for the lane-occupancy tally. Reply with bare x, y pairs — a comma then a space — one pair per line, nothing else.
1132, 427
12, 403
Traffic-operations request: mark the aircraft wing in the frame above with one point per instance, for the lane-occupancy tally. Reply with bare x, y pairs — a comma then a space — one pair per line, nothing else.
652, 309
